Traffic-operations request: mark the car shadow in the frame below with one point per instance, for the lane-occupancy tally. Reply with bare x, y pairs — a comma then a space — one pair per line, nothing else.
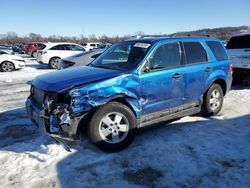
182, 153
37, 65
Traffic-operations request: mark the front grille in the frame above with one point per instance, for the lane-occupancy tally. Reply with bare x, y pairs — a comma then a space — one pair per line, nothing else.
38, 96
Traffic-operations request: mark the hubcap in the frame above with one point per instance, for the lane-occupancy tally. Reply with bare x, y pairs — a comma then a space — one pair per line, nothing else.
215, 100
113, 127
7, 67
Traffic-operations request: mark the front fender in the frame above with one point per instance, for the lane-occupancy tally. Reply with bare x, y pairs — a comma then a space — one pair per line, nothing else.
95, 94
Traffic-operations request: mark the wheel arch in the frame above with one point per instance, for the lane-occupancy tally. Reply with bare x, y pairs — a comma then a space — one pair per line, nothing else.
54, 57
127, 101
223, 85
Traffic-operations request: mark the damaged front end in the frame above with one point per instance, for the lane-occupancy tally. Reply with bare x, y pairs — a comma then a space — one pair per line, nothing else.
53, 113
64, 114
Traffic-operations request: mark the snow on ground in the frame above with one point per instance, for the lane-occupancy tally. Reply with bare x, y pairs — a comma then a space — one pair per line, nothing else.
191, 152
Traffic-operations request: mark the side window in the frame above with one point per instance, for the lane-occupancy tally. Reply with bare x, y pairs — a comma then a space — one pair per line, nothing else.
57, 47
67, 47
165, 56
218, 50
195, 53
61, 47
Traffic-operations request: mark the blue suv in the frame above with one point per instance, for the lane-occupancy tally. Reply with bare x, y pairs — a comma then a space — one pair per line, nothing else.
133, 84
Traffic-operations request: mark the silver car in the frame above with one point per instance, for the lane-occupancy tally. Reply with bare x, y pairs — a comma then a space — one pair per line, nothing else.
80, 59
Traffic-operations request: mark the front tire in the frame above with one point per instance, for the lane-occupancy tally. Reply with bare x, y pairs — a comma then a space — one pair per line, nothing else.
112, 127
213, 100
7, 66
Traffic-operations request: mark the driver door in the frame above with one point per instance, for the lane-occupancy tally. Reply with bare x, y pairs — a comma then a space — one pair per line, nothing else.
162, 80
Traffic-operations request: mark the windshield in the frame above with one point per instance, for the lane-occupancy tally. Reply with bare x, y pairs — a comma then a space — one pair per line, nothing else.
122, 56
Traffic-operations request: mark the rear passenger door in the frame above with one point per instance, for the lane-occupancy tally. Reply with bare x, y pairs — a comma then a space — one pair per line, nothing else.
197, 70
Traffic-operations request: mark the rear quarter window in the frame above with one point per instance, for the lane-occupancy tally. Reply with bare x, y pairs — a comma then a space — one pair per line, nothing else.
195, 53
218, 50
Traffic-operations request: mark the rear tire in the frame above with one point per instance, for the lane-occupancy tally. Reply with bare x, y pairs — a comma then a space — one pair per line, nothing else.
34, 54
53, 62
112, 127
7, 66
213, 100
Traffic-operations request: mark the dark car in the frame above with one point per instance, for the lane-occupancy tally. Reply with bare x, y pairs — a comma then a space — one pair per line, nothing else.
19, 48
133, 84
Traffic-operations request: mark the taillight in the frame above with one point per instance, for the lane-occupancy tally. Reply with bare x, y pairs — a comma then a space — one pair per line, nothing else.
231, 68
42, 52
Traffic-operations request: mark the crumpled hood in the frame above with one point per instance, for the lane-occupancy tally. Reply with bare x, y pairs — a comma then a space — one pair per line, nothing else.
64, 79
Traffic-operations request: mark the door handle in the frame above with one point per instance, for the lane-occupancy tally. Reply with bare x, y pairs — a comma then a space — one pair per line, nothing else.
208, 69
177, 75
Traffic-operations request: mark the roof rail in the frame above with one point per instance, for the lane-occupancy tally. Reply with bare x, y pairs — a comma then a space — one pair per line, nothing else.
200, 35
148, 36
189, 35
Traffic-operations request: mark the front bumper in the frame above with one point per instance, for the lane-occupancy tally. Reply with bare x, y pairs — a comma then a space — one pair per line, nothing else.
66, 133
19, 64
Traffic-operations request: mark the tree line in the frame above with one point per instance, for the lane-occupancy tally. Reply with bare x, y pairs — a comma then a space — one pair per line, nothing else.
223, 33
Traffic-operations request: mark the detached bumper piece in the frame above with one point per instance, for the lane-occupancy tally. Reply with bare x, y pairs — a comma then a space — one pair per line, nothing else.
57, 123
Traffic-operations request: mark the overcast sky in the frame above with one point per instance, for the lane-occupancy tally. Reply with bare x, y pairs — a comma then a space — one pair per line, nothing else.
116, 17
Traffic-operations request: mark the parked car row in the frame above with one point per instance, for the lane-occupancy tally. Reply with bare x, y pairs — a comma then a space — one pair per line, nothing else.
53, 54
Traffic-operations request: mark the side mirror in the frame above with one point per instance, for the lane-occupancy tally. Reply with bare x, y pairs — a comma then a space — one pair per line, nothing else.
147, 67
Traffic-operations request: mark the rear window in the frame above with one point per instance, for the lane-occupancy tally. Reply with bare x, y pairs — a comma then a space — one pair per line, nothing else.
239, 42
218, 50
195, 53
41, 46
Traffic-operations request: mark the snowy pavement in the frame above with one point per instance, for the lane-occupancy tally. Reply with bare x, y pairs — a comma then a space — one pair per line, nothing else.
191, 152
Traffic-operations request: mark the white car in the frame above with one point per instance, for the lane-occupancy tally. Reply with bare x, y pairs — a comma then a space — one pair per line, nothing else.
239, 51
55, 51
91, 45
10, 62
